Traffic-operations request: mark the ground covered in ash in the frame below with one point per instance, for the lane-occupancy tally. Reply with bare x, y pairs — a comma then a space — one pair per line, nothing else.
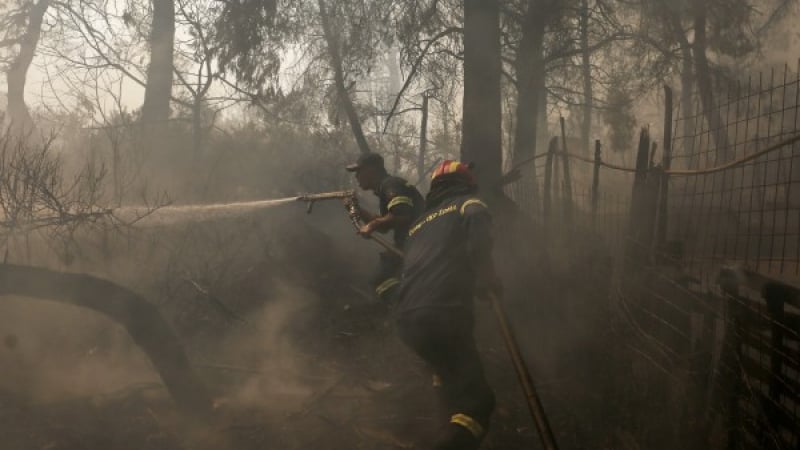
279, 324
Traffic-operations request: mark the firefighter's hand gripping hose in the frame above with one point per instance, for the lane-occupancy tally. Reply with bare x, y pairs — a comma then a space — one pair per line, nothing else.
354, 211
351, 204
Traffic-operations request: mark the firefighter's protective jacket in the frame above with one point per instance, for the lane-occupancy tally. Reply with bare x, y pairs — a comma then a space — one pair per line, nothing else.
401, 199
445, 247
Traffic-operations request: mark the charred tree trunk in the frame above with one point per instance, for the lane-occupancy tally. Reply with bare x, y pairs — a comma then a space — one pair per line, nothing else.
144, 323
16, 77
158, 90
335, 55
481, 132
529, 68
586, 67
704, 84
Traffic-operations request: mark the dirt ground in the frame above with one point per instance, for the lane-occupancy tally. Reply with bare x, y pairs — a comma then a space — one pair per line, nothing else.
358, 388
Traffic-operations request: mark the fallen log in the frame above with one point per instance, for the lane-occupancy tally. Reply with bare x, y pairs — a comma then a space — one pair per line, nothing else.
141, 319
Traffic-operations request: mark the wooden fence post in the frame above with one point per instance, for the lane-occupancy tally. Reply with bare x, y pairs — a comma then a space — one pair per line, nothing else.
666, 163
642, 158
775, 296
643, 204
730, 384
567, 196
596, 181
548, 179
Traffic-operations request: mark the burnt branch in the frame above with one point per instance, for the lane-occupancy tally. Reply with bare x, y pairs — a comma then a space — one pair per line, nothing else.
142, 320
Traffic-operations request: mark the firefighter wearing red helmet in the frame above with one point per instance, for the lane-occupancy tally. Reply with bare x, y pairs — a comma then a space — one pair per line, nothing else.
447, 262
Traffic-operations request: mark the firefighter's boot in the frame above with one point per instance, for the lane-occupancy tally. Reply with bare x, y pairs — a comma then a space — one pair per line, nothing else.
462, 433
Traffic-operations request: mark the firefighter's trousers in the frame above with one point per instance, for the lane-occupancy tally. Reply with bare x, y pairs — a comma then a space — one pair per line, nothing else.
443, 337
387, 279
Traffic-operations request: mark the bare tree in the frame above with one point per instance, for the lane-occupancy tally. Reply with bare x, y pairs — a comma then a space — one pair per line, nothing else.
35, 197
32, 15
118, 40
200, 72
333, 46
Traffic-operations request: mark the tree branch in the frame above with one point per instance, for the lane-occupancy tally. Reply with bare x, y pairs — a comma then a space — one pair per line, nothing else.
415, 67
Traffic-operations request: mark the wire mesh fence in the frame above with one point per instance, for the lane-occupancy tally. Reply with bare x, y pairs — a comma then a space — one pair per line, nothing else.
748, 213
731, 197
729, 352
727, 196
762, 360
567, 197
733, 189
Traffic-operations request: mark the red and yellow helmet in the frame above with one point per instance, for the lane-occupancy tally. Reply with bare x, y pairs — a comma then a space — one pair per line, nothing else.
454, 167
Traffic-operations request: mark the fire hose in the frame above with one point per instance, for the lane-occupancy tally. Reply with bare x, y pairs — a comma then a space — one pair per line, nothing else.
523, 374
351, 203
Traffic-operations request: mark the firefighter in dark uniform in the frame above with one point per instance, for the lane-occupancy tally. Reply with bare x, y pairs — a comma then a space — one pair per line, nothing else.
447, 263
400, 204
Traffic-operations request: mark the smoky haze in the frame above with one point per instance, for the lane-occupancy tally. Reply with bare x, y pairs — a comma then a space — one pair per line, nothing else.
179, 295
